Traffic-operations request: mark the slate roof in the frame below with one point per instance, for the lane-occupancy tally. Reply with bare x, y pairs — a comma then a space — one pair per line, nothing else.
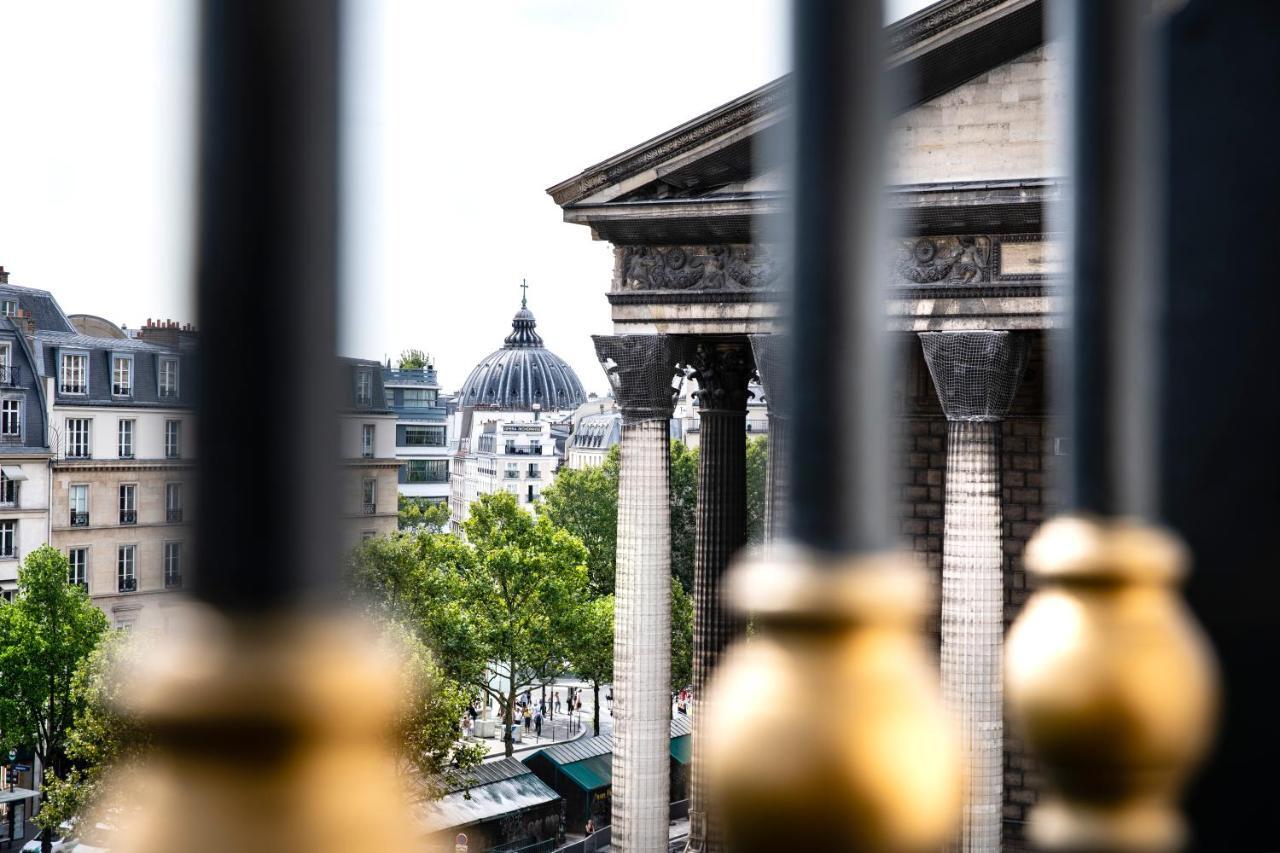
146, 366
377, 402
40, 306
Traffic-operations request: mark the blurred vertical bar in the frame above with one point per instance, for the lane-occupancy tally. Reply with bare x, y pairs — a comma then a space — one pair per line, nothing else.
1106, 372
1221, 405
266, 276
840, 469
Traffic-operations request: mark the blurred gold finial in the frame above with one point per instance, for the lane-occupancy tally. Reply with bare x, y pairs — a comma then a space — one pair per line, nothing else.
271, 735
858, 754
1112, 683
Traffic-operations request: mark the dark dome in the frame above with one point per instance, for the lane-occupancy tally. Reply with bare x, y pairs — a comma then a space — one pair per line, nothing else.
522, 373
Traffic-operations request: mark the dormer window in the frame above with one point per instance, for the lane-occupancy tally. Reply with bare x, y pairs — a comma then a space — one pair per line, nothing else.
72, 378
168, 388
11, 417
121, 376
364, 388
8, 307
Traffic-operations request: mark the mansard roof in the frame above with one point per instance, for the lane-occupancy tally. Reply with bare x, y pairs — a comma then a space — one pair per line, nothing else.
708, 179
146, 367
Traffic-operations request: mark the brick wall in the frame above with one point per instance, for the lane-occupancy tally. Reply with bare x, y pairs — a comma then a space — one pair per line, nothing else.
1027, 464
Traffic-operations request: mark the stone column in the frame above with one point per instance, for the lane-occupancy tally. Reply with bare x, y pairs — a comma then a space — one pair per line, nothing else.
768, 351
722, 368
976, 375
640, 369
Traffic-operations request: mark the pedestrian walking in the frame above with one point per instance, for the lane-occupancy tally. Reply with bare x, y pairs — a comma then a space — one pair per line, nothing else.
528, 717
537, 723
556, 697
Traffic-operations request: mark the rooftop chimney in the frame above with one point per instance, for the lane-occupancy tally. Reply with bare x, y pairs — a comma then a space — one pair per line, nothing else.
4, 276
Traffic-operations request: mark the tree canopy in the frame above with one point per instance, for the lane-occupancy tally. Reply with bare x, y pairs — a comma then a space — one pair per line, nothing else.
757, 472
425, 513
412, 359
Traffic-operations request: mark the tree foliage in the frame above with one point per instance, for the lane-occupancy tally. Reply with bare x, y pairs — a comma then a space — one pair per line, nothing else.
757, 471
497, 606
423, 514
591, 648
584, 501
681, 637
412, 359
48, 629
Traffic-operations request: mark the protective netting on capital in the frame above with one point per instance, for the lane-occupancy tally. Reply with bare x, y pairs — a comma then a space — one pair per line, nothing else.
975, 373
640, 369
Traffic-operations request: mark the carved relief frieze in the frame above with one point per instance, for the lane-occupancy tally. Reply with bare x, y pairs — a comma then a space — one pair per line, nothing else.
710, 267
928, 260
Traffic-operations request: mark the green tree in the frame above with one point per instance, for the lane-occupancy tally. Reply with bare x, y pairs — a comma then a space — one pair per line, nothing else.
522, 590
757, 470
681, 637
498, 606
415, 513
591, 648
684, 511
412, 359
584, 501
45, 632
102, 735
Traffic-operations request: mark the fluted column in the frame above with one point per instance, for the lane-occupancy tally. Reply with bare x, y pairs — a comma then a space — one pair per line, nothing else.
640, 369
723, 370
976, 375
768, 351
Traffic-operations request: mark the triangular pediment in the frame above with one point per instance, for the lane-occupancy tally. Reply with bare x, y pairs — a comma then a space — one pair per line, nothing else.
954, 46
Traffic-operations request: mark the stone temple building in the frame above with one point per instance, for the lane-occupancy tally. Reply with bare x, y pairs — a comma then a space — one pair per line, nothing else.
696, 283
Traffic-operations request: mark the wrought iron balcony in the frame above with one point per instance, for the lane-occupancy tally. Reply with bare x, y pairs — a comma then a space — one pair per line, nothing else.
369, 509
79, 519
128, 516
512, 475
127, 584
10, 375
173, 516
173, 580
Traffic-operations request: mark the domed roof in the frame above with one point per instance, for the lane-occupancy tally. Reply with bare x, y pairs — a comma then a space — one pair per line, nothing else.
522, 373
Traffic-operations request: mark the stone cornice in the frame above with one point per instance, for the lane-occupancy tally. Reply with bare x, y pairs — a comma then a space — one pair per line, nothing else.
124, 465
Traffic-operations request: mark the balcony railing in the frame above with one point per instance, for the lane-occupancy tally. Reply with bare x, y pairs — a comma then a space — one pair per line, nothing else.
127, 584
79, 519
369, 509
512, 475
173, 516
523, 451
11, 554
173, 581
128, 516
534, 472
10, 375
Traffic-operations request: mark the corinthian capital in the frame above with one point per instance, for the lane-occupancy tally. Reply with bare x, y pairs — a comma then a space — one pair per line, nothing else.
723, 370
770, 352
975, 373
640, 369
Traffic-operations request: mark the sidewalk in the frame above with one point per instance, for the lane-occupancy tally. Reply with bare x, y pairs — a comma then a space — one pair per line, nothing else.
560, 730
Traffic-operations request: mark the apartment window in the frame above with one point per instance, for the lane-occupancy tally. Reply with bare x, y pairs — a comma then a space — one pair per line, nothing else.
127, 568
8, 595
8, 490
168, 388
173, 502
125, 436
128, 503
366, 535
79, 500
9, 308
78, 567
366, 440
172, 565
419, 398
73, 375
78, 446
369, 496
121, 375
11, 417
364, 388
6, 359
424, 436
428, 471
8, 540
172, 439
513, 471
389, 396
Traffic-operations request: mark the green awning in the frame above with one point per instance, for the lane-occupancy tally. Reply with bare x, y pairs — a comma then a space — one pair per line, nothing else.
591, 774
682, 749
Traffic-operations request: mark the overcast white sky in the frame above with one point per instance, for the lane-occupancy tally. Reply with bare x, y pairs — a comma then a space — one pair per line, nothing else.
459, 115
